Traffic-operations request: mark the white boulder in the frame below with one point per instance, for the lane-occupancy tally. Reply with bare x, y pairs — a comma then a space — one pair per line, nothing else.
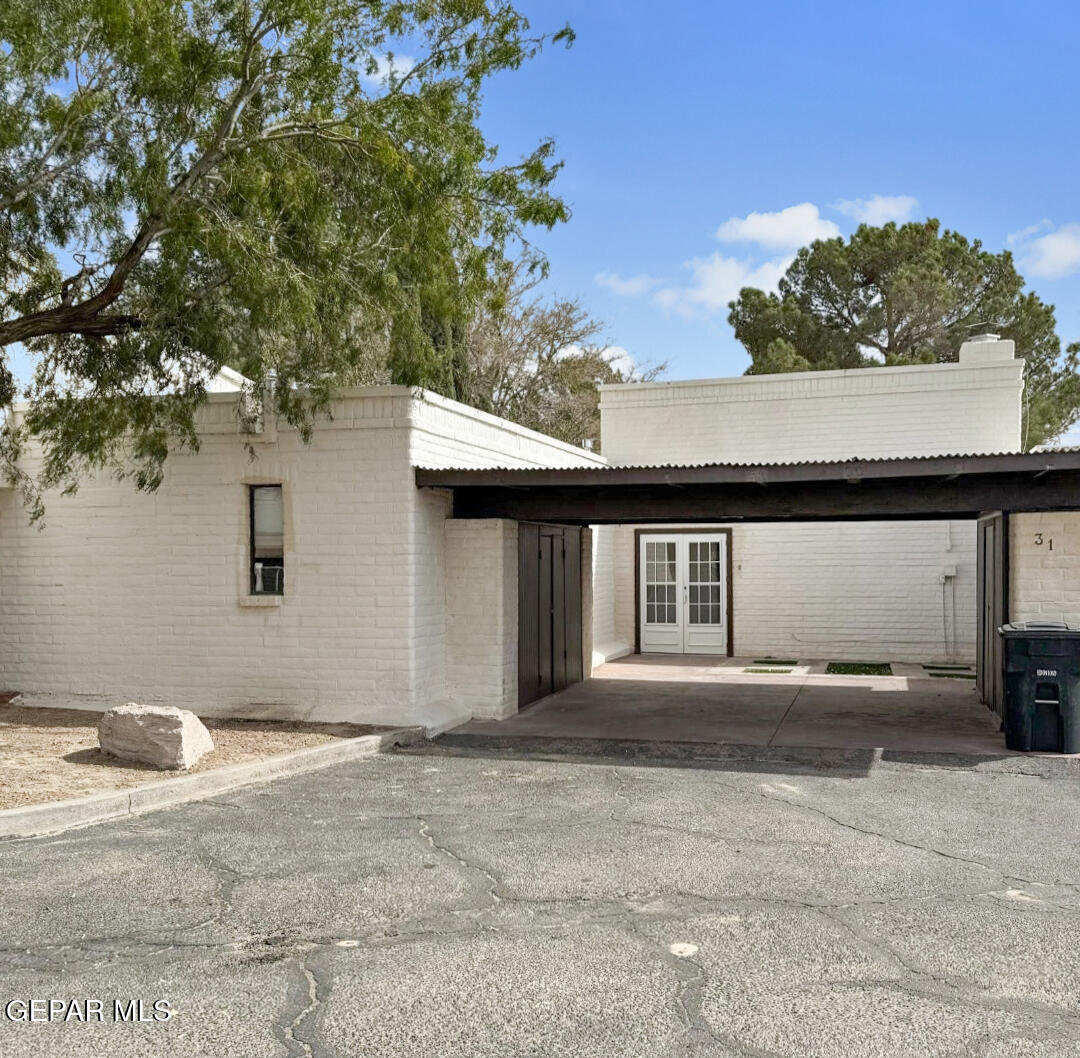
161, 735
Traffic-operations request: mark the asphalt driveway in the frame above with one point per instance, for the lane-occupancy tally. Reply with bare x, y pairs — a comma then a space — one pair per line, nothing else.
427, 906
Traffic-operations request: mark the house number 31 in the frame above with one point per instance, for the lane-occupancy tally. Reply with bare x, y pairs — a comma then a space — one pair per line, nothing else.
1039, 541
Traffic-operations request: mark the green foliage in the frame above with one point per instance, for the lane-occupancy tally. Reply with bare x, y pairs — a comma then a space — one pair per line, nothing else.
257, 183
906, 295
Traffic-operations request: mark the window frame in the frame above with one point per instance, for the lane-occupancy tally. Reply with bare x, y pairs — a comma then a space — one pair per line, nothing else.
252, 579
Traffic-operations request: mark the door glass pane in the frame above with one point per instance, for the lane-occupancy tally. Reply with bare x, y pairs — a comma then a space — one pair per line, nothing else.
705, 582
660, 583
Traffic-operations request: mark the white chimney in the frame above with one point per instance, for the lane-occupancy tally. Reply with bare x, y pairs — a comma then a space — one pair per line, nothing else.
987, 348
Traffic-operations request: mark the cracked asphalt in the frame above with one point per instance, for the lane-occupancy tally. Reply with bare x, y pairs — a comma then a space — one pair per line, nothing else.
441, 906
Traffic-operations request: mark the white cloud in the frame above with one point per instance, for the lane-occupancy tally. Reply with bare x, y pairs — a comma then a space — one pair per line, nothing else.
1054, 255
616, 355
878, 209
718, 280
620, 359
399, 65
628, 287
787, 229
1024, 234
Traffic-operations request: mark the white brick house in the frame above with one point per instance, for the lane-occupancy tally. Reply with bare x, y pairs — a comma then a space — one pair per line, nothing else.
901, 591
127, 595
393, 611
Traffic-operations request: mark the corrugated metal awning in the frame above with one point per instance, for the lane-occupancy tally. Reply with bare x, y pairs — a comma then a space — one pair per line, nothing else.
959, 486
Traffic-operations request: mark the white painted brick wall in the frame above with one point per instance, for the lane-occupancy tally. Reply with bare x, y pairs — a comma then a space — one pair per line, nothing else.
131, 596
1044, 580
870, 413
607, 643
838, 590
447, 434
845, 591
127, 595
482, 615
588, 546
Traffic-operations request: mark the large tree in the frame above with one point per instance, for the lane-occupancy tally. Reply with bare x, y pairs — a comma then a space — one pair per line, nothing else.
259, 183
908, 294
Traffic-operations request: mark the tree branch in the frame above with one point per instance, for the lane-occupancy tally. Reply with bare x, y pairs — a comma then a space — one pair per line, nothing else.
82, 318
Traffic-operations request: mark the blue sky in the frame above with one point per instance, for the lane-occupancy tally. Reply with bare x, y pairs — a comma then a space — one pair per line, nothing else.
679, 121
704, 141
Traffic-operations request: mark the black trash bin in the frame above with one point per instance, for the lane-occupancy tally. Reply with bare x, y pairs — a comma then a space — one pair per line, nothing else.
1042, 686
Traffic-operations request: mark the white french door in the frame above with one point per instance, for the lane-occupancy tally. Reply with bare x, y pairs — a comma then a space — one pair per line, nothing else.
683, 584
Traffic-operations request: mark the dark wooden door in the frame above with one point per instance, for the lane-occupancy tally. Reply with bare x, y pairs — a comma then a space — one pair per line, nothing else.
992, 588
549, 609
545, 661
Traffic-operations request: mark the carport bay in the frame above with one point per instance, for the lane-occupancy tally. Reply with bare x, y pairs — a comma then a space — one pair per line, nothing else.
899, 714
656, 698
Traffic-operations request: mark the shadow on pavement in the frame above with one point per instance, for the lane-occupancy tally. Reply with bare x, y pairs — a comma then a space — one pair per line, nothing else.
783, 760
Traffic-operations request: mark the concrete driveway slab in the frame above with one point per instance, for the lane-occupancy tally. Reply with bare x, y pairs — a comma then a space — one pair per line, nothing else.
926, 715
682, 698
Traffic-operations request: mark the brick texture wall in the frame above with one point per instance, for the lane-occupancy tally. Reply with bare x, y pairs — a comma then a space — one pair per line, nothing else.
1044, 567
912, 411
125, 595
825, 592
607, 643
444, 433
482, 615
840, 590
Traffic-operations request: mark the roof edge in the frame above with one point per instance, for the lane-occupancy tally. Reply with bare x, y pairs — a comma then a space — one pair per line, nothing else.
905, 371
850, 470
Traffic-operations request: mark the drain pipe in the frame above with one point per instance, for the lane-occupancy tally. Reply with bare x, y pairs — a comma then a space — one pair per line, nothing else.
948, 580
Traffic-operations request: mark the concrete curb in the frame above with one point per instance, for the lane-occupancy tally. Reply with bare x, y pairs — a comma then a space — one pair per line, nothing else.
56, 816
722, 756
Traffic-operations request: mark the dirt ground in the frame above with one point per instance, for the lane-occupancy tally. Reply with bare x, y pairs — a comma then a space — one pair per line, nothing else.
52, 754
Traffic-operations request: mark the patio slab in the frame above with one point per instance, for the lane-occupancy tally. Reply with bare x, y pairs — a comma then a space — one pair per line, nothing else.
702, 699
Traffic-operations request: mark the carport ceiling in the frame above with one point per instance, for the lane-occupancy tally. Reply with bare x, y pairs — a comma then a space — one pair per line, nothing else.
855, 489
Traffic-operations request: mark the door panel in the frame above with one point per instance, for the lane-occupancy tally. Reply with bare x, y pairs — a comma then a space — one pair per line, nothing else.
683, 603
558, 613
661, 616
992, 601
706, 595
546, 665
549, 609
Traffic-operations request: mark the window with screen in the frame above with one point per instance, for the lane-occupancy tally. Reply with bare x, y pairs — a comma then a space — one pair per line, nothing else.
267, 540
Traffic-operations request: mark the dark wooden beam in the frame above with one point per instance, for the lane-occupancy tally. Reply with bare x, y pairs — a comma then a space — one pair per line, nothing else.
954, 496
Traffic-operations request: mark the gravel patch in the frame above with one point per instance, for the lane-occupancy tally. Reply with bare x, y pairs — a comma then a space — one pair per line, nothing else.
51, 754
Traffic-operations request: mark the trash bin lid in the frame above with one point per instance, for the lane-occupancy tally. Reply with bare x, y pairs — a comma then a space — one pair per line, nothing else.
1040, 629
